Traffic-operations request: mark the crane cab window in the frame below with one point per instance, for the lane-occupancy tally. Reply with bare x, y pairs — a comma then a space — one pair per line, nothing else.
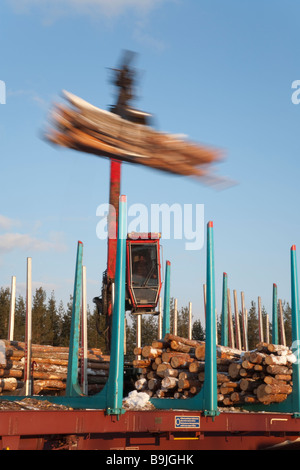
144, 265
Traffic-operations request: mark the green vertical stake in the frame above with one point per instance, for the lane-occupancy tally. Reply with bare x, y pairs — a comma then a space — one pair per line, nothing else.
72, 386
210, 383
116, 372
295, 332
166, 315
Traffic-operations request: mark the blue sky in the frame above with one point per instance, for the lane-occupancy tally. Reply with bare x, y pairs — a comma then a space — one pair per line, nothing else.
219, 72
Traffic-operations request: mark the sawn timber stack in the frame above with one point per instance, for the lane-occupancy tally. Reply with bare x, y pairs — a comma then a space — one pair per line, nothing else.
175, 367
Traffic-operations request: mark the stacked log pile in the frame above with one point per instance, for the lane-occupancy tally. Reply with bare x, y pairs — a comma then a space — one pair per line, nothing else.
49, 366
175, 367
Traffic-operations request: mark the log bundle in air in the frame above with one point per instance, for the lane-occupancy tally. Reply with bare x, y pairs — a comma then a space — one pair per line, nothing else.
81, 126
175, 368
49, 367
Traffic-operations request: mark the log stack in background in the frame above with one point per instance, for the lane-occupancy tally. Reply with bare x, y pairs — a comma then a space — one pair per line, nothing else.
175, 367
49, 366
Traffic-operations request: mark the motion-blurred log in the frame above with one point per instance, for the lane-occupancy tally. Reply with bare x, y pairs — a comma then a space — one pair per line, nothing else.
83, 127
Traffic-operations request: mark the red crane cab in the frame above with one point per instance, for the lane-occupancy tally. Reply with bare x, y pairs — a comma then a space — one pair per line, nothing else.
143, 272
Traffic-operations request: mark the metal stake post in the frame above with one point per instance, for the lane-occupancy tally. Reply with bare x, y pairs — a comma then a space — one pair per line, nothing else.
72, 386
160, 319
84, 359
210, 383
115, 386
295, 332
166, 315
206, 399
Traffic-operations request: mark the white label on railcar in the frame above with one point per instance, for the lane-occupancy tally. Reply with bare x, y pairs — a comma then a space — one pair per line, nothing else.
187, 421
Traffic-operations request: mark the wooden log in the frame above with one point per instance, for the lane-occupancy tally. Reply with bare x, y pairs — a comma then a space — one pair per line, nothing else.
273, 390
200, 352
187, 383
226, 390
249, 399
248, 385
50, 360
227, 401
184, 374
140, 384
190, 342
160, 371
140, 363
48, 375
223, 352
194, 389
151, 375
196, 366
234, 370
167, 356
235, 397
284, 377
247, 364
11, 373
161, 393
279, 360
270, 379
154, 384
182, 362
44, 367
179, 395
171, 372
150, 352
256, 357
245, 372
40, 385
160, 344
227, 352
17, 365
278, 398
98, 366
8, 384
169, 382
276, 369
181, 347
137, 351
